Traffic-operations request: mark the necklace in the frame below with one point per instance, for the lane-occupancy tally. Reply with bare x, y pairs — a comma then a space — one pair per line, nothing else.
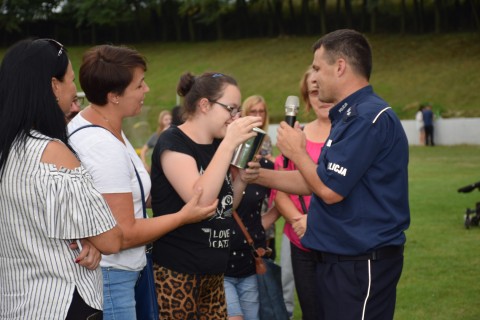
101, 115
108, 122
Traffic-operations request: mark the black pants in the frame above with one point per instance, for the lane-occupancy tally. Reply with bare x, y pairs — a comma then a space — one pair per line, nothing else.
304, 264
79, 310
349, 290
429, 136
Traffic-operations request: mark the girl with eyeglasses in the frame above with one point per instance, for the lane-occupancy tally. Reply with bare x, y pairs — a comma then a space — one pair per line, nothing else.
47, 199
191, 260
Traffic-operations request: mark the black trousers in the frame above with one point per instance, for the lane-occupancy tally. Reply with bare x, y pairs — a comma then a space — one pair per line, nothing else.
353, 290
304, 265
79, 310
429, 136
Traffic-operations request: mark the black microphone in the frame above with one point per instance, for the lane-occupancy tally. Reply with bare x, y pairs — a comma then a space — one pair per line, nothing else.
291, 109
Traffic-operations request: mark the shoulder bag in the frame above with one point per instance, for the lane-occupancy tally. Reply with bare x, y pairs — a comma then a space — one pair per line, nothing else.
272, 305
145, 292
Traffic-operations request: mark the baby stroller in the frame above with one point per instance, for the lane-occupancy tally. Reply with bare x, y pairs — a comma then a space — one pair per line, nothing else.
472, 216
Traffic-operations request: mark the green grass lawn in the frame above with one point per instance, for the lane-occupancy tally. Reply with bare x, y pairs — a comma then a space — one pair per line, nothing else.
407, 70
439, 279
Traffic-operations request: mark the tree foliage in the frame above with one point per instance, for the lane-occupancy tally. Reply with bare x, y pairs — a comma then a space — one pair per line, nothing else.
166, 20
16, 12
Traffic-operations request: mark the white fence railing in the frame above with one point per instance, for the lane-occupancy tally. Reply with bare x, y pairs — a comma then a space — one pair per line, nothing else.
446, 131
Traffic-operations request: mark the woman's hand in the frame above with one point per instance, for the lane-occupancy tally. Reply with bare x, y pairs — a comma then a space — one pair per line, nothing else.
192, 212
300, 225
240, 130
89, 256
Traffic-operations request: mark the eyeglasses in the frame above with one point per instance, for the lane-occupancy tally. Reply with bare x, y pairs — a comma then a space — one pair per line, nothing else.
57, 45
78, 101
233, 111
256, 111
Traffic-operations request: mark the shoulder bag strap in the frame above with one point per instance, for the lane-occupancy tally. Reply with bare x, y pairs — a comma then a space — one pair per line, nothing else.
260, 267
144, 206
87, 126
257, 252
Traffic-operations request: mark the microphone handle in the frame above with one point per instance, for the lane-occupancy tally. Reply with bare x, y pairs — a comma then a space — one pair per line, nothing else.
291, 122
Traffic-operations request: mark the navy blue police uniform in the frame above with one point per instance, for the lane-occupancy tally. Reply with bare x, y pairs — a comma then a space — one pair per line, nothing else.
359, 240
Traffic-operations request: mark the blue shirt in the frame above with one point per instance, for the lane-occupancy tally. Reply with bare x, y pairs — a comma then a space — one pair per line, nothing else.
365, 160
427, 117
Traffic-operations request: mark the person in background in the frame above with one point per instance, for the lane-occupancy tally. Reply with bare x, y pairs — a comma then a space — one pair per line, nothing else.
74, 109
256, 105
164, 120
359, 209
190, 261
420, 125
47, 199
294, 207
428, 124
241, 287
113, 79
177, 116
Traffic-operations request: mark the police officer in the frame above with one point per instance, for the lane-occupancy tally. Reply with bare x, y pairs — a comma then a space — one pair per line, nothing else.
359, 208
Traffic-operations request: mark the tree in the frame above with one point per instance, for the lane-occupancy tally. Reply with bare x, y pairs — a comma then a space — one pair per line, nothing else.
476, 19
306, 17
212, 12
275, 14
164, 14
438, 5
189, 9
403, 16
419, 13
322, 8
15, 13
101, 13
372, 9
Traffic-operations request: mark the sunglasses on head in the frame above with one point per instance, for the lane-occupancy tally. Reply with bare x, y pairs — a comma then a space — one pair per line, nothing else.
56, 44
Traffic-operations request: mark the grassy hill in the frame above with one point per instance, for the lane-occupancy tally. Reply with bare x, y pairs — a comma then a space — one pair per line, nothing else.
408, 70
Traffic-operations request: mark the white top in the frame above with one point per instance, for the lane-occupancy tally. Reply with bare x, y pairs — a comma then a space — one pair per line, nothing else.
110, 163
419, 120
42, 209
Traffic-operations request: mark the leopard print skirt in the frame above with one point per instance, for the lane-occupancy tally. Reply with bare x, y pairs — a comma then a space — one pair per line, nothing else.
189, 296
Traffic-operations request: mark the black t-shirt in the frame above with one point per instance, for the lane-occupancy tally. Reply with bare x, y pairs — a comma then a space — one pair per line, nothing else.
199, 248
241, 262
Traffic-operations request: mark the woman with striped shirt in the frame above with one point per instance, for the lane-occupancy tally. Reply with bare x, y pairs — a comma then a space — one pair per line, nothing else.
47, 199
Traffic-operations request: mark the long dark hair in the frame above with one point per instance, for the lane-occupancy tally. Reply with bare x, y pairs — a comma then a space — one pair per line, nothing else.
26, 97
